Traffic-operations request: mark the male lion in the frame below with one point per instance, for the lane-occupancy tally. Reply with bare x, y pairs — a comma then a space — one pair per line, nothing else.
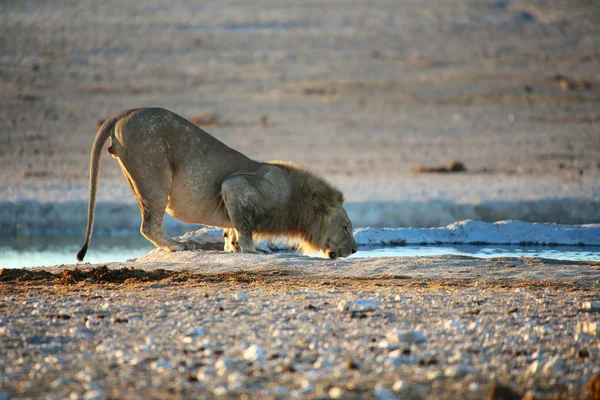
174, 165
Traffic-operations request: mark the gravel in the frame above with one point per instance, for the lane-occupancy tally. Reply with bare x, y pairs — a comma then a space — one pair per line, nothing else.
289, 339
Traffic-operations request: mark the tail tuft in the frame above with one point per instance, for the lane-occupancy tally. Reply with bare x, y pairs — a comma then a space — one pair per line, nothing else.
82, 252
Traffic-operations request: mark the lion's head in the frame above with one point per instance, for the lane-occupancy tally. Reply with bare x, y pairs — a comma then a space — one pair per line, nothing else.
339, 241
331, 232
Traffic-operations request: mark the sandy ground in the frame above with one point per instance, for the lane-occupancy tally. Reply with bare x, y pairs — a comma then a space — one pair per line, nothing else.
288, 327
362, 93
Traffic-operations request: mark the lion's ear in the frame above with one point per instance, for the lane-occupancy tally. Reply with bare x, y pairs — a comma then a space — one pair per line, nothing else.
338, 197
319, 203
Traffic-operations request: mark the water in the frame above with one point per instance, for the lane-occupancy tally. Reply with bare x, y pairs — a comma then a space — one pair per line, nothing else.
40, 251
46, 251
575, 253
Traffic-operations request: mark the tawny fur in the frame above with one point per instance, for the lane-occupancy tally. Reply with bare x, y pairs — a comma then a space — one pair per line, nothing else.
306, 223
174, 166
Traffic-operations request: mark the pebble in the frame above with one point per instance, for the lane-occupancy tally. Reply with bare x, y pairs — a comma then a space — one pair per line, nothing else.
385, 345
335, 393
358, 305
593, 328
382, 393
555, 366
590, 306
94, 395
405, 336
254, 353
457, 371
534, 368
455, 324
306, 387
241, 296
399, 386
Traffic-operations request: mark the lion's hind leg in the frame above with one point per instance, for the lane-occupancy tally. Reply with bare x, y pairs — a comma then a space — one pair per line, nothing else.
152, 197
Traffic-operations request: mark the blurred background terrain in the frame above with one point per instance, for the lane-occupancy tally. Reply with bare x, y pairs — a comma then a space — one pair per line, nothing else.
378, 97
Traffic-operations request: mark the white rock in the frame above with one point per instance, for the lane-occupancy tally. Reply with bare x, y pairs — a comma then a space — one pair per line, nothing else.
150, 341
335, 393
195, 332
529, 338
305, 387
474, 387
161, 365
474, 326
382, 393
385, 345
457, 371
357, 305
455, 324
542, 329
241, 296
94, 395
223, 364
534, 368
593, 328
205, 374
254, 353
220, 391
555, 366
236, 377
590, 306
405, 336
57, 383
399, 386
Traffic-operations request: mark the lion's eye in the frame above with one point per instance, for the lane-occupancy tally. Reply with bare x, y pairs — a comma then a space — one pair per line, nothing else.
346, 229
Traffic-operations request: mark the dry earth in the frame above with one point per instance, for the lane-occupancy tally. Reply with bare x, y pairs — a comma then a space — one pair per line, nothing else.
115, 333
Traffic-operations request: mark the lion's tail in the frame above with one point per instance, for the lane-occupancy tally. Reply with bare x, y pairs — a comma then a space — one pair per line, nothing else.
101, 138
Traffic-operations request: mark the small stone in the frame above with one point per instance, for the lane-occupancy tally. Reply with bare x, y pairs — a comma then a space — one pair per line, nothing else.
94, 395
405, 336
335, 393
555, 366
254, 353
534, 368
57, 383
457, 371
529, 338
220, 391
195, 332
399, 386
236, 377
223, 364
385, 345
590, 306
241, 296
454, 324
382, 393
593, 328
358, 305
305, 387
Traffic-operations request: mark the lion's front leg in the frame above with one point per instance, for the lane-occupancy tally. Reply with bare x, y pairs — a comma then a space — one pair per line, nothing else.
230, 236
243, 202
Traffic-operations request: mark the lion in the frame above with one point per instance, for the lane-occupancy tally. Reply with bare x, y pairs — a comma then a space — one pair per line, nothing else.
173, 165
